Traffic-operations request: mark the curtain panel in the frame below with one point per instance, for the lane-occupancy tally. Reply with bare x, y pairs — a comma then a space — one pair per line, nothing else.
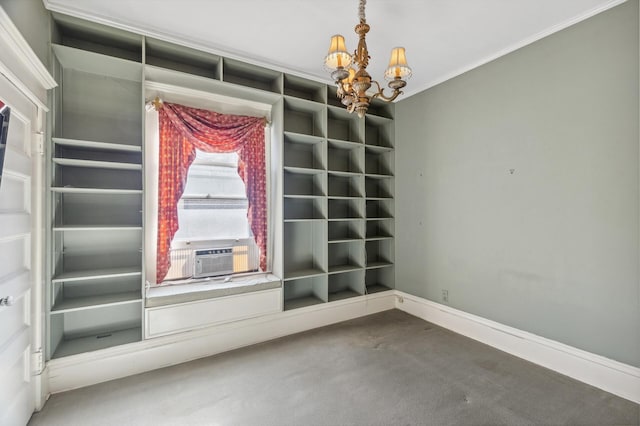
182, 130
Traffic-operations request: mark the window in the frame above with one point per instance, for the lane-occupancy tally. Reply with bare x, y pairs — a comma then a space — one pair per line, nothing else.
212, 213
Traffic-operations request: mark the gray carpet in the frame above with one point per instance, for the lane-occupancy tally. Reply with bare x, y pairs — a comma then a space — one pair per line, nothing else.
384, 369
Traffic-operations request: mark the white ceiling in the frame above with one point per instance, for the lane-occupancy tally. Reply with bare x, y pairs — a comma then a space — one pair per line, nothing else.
443, 38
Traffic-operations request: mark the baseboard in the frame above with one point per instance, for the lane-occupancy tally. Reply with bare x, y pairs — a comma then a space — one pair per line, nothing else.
612, 376
100, 366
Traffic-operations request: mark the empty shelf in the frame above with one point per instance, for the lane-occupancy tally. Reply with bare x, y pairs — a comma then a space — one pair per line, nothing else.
98, 341
81, 228
340, 295
343, 268
302, 273
96, 164
378, 264
97, 191
96, 145
88, 302
377, 288
303, 170
97, 274
301, 302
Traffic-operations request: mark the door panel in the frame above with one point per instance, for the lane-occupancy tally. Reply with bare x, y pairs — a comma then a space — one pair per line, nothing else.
16, 389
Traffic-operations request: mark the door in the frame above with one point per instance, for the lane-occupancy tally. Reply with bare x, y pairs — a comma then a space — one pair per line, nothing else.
17, 389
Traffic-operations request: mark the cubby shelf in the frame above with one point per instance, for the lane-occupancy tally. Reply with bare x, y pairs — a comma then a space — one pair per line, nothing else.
63, 305
337, 269
94, 342
301, 302
96, 274
95, 191
378, 264
303, 273
96, 164
96, 145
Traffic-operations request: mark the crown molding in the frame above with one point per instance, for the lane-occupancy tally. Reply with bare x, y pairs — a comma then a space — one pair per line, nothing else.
23, 51
515, 46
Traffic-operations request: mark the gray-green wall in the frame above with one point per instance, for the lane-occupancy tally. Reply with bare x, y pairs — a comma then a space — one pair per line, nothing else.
552, 247
34, 23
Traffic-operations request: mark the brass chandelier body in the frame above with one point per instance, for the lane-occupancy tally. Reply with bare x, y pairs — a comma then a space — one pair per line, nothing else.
354, 83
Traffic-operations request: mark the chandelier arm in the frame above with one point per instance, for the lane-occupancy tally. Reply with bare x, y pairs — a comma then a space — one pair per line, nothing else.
380, 94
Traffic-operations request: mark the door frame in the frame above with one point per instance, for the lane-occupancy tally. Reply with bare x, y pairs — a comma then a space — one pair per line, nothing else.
30, 78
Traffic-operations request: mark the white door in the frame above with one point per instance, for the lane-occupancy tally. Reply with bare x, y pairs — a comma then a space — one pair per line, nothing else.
17, 389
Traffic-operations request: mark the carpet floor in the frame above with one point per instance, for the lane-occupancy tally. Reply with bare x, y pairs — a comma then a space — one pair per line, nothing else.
384, 369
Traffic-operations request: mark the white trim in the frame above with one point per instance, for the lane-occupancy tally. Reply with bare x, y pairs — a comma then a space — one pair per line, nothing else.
23, 51
612, 376
515, 46
20, 56
95, 367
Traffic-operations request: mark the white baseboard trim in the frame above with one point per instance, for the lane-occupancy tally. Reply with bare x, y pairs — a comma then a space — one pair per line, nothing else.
100, 366
612, 376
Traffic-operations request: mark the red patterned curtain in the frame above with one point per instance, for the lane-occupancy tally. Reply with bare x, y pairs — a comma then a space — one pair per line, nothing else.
182, 130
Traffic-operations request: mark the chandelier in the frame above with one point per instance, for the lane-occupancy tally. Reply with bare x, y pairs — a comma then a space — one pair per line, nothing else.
350, 71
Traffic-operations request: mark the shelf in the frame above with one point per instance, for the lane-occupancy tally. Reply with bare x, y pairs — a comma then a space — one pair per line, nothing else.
377, 288
379, 238
182, 59
79, 303
303, 138
95, 191
341, 295
337, 143
338, 269
303, 170
97, 342
378, 149
378, 264
304, 89
96, 164
97, 274
304, 117
303, 273
77, 143
97, 63
303, 220
83, 228
344, 240
303, 197
247, 75
301, 302
343, 174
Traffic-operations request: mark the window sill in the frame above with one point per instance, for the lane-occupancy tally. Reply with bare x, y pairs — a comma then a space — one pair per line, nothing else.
163, 295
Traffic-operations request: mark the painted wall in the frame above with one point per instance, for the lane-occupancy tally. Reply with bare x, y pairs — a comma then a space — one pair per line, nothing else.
523, 180
34, 23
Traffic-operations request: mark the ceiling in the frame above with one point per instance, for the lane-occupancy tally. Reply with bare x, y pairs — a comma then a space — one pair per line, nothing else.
443, 38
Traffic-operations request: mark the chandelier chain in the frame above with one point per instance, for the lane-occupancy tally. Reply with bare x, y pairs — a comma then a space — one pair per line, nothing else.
361, 11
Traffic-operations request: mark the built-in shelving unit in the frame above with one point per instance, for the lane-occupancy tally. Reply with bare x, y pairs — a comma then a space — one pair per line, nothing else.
335, 224
95, 291
338, 197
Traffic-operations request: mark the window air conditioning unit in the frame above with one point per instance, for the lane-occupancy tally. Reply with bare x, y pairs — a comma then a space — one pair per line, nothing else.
213, 262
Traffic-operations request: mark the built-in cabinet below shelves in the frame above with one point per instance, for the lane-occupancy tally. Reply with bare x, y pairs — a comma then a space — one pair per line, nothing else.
337, 215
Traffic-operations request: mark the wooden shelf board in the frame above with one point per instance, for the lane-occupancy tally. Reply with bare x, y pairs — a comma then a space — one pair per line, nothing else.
302, 138
378, 264
337, 269
96, 164
302, 273
341, 295
343, 173
379, 218
79, 303
339, 143
377, 148
95, 274
303, 170
304, 196
301, 302
96, 342
344, 240
96, 191
82, 228
304, 220
345, 219
379, 198
379, 238
377, 288
97, 145
96, 63
378, 175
